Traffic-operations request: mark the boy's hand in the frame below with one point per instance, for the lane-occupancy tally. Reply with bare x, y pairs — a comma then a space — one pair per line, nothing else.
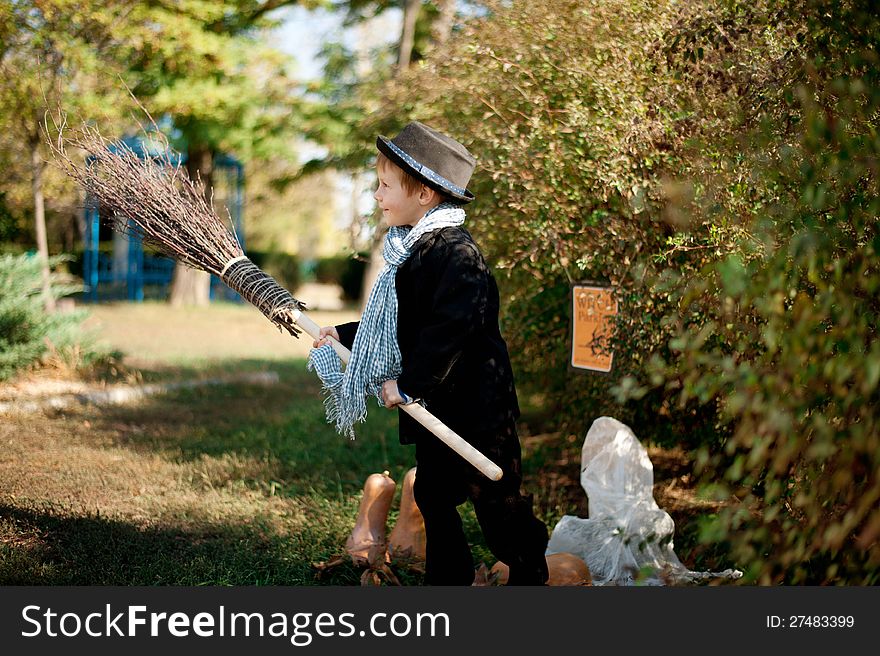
391, 396
326, 331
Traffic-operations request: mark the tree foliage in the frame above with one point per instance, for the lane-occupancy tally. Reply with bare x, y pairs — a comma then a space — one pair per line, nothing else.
52, 54
341, 108
203, 65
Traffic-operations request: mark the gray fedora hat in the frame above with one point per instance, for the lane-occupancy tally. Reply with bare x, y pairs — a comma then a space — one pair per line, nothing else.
433, 158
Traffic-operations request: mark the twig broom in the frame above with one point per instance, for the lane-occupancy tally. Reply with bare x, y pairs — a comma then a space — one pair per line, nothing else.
156, 200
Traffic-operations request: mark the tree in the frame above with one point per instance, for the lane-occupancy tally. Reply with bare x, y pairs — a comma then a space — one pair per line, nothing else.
49, 52
203, 64
408, 33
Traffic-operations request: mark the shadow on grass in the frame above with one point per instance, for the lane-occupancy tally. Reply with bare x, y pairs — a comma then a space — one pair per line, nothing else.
52, 548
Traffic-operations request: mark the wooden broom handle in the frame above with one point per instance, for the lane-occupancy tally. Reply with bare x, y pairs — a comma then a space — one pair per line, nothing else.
452, 439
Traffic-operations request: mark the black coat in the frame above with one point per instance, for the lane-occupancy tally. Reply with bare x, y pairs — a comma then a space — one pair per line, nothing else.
454, 357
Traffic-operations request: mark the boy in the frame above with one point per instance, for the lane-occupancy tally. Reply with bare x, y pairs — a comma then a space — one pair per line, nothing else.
438, 298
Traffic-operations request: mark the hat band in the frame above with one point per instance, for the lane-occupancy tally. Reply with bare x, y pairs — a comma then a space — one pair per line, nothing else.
429, 173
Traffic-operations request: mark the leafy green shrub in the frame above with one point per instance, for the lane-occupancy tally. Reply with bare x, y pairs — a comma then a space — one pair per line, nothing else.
786, 343
328, 270
11, 228
352, 280
12, 248
27, 333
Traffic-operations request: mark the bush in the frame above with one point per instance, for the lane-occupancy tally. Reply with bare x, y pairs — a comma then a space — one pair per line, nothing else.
352, 280
11, 225
12, 248
328, 270
27, 333
344, 270
786, 340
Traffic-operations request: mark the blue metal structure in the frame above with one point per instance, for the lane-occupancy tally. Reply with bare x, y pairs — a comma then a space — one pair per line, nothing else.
103, 280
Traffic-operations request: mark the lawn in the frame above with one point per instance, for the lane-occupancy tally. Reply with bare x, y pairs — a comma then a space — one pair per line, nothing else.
231, 484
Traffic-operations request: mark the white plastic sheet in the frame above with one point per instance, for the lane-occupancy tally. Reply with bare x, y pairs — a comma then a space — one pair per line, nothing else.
626, 531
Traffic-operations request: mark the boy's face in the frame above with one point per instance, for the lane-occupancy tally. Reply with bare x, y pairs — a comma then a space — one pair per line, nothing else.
399, 207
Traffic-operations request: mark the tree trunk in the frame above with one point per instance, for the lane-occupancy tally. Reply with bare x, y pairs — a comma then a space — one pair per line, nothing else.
190, 286
408, 33
37, 166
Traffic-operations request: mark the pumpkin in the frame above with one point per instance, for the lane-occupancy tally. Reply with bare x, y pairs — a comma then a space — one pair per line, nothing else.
367, 543
565, 569
407, 540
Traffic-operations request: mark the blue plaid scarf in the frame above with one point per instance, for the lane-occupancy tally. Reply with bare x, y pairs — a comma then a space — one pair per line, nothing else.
375, 355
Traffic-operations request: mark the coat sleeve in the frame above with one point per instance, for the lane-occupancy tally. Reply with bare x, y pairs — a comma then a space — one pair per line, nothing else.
347, 331
455, 314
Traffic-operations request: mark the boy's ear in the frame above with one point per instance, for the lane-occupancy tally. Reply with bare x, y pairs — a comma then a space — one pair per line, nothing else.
427, 195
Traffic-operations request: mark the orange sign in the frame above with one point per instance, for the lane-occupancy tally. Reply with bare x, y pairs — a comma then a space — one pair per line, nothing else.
593, 312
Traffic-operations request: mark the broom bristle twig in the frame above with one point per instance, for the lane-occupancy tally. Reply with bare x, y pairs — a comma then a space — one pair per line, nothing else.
152, 197
149, 196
